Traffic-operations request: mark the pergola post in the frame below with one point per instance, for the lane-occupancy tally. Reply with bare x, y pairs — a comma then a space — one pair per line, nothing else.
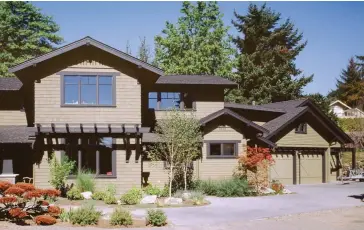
353, 158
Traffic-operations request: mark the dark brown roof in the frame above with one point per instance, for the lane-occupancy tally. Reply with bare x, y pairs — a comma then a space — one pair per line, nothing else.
229, 112
253, 107
10, 84
195, 80
16, 134
285, 105
87, 41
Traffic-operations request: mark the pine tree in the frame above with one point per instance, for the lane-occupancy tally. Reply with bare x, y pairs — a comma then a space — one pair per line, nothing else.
324, 104
24, 33
266, 69
144, 51
350, 85
197, 44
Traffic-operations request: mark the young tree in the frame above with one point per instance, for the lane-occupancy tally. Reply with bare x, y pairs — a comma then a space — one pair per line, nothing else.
128, 48
350, 85
266, 69
178, 143
144, 51
24, 33
197, 44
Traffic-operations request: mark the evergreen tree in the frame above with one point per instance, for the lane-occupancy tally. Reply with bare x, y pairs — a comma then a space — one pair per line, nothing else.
266, 69
324, 104
350, 85
24, 33
197, 44
144, 51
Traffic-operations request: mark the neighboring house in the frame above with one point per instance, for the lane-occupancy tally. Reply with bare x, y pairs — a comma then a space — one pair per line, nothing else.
98, 106
342, 110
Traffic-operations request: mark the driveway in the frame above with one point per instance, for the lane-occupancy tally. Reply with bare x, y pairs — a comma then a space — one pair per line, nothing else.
309, 198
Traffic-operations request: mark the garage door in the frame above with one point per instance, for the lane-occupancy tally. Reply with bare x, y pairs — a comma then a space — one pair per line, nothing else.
282, 169
310, 170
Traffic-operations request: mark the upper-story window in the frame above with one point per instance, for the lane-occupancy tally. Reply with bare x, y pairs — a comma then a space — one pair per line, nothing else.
169, 100
301, 128
88, 90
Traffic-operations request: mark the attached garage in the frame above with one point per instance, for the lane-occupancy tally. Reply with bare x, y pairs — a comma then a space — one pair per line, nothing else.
310, 168
282, 169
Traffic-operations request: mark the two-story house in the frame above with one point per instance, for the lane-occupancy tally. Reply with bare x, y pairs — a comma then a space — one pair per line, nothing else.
98, 106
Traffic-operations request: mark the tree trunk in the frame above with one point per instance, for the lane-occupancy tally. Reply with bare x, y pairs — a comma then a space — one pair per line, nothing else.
170, 180
185, 175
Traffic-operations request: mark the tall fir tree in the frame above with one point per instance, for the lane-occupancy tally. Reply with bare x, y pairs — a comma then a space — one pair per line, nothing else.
266, 69
197, 44
350, 85
144, 53
24, 33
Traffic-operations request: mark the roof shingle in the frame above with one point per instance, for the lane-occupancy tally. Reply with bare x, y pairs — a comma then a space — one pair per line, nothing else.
10, 84
194, 80
16, 134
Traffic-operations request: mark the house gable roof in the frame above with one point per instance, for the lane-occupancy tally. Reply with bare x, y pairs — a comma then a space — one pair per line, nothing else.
16, 134
87, 41
341, 103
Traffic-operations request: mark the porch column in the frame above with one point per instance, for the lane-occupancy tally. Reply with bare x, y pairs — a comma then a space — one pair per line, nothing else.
353, 158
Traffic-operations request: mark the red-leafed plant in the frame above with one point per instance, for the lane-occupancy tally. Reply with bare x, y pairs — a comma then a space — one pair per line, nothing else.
257, 160
22, 201
25, 186
45, 220
277, 186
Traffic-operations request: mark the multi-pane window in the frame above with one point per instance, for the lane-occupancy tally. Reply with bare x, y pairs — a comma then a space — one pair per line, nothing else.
92, 154
218, 149
169, 100
88, 90
301, 128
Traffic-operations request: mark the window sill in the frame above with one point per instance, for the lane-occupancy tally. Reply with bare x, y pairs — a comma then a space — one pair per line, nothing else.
221, 157
87, 106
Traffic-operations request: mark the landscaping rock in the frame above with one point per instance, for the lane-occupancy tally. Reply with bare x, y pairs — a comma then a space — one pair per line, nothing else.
186, 195
149, 199
173, 201
87, 195
267, 191
286, 191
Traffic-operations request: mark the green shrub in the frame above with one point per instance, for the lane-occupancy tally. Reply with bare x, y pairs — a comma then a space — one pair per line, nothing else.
133, 196
121, 217
152, 190
233, 188
59, 171
197, 197
111, 189
85, 181
208, 187
110, 199
156, 217
74, 194
164, 192
64, 216
99, 195
85, 215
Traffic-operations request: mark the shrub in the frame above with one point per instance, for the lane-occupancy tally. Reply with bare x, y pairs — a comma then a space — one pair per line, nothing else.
50, 194
54, 211
110, 199
164, 192
64, 216
8, 200
133, 196
233, 188
152, 190
209, 187
85, 215
277, 186
25, 186
59, 171
197, 198
85, 182
13, 190
121, 217
74, 194
98, 195
111, 189
156, 217
32, 194
4, 185
17, 213
45, 220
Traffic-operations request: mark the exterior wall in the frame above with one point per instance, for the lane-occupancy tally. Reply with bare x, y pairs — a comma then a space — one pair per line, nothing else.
48, 100
204, 108
338, 110
156, 173
160, 114
219, 168
311, 139
13, 117
128, 174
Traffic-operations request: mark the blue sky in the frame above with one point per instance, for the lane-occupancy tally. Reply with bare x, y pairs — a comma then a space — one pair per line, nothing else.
334, 30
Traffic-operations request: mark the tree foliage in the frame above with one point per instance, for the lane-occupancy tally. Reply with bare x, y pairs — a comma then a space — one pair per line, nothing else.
127, 47
266, 70
197, 44
24, 33
179, 140
350, 85
324, 104
144, 53
59, 171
